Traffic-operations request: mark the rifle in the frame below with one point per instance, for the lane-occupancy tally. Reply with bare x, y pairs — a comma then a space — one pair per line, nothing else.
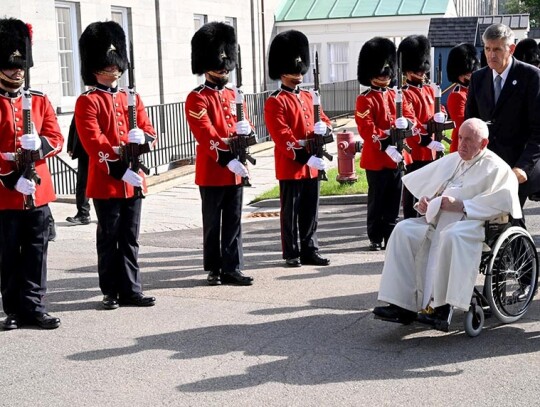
437, 129
130, 153
316, 144
399, 135
26, 159
239, 144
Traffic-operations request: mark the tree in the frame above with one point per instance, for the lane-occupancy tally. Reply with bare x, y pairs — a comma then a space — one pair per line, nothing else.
531, 7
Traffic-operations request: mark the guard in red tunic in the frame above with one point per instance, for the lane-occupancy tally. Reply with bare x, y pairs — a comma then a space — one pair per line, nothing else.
102, 120
289, 117
527, 51
415, 53
211, 115
375, 117
24, 209
462, 62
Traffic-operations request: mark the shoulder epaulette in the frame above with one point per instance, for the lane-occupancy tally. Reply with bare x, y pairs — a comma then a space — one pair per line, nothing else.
199, 88
92, 89
366, 92
457, 88
276, 92
36, 92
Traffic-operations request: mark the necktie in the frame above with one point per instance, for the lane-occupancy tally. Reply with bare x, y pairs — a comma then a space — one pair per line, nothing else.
497, 87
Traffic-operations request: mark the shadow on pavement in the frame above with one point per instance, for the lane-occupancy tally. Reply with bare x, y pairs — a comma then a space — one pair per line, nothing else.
322, 349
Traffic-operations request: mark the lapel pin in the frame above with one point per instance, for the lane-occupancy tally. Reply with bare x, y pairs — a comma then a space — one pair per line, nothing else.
514, 82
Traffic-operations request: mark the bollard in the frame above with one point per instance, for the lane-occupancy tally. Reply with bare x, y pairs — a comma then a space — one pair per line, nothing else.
347, 146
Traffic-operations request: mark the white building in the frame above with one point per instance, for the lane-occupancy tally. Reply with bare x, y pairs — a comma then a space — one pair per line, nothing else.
160, 31
337, 29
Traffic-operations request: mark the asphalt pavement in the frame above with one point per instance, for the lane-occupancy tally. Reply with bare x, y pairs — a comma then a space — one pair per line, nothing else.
297, 337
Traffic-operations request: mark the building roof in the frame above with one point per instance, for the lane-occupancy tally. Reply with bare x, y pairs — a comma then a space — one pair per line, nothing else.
299, 10
447, 32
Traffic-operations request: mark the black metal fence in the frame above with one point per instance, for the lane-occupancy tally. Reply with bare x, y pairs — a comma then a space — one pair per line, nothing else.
176, 144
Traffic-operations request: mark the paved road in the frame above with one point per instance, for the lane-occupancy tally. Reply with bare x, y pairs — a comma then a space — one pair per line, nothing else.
297, 337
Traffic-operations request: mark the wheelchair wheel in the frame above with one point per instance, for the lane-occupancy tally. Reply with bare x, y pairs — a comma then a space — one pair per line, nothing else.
474, 320
512, 275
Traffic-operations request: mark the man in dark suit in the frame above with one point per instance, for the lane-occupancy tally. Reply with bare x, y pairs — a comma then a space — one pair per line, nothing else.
506, 94
76, 151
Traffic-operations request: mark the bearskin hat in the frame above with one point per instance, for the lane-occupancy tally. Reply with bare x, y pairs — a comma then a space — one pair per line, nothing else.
462, 59
415, 53
527, 51
377, 58
102, 44
213, 48
289, 54
13, 35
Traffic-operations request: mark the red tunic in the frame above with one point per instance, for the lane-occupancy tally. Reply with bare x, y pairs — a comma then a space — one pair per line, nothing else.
211, 115
422, 100
11, 129
102, 120
375, 113
456, 109
289, 117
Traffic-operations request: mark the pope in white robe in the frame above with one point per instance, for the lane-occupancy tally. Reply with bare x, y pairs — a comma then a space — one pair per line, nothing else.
434, 260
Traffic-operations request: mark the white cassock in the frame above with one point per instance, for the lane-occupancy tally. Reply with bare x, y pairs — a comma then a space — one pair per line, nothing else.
436, 257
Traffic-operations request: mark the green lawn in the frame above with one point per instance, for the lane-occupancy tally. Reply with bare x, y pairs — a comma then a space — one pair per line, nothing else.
330, 187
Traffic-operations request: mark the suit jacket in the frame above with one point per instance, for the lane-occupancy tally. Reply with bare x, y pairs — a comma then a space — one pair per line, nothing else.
514, 122
74, 145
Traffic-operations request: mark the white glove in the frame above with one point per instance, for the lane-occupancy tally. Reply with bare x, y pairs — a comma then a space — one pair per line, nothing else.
439, 117
238, 168
25, 186
317, 163
320, 128
394, 154
402, 123
243, 128
136, 136
132, 178
436, 145
30, 142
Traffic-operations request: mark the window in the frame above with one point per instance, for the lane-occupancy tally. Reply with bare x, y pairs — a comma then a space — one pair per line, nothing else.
338, 64
68, 54
232, 22
313, 48
198, 21
121, 16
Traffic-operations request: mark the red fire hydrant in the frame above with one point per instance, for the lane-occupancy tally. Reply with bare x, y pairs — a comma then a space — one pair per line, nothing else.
347, 147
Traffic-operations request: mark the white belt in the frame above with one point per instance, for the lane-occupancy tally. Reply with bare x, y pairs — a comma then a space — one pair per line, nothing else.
8, 156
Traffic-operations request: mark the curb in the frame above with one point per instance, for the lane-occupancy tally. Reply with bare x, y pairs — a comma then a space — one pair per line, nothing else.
323, 200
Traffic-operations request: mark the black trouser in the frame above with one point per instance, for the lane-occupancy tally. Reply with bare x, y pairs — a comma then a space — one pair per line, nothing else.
24, 240
299, 216
384, 193
222, 230
408, 199
117, 245
83, 203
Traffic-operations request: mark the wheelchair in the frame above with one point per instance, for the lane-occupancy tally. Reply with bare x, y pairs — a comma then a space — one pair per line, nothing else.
510, 265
